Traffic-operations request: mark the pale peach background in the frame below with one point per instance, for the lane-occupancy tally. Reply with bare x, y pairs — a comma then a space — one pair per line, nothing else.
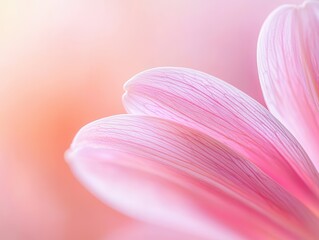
63, 64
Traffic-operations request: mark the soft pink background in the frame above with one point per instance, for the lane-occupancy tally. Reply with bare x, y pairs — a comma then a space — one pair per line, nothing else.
63, 64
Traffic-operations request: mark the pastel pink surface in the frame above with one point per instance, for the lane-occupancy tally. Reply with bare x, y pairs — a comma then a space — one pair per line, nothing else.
143, 231
288, 61
63, 63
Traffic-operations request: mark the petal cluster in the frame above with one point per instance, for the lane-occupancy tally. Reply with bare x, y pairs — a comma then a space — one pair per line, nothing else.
199, 156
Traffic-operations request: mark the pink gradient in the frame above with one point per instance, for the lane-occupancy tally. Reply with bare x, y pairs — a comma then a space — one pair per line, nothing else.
142, 231
195, 155
63, 64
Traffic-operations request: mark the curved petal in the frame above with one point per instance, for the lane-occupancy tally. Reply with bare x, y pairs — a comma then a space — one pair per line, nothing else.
288, 62
186, 178
209, 105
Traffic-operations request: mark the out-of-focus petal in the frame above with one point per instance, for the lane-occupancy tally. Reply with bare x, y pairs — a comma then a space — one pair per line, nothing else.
209, 105
288, 61
161, 171
142, 231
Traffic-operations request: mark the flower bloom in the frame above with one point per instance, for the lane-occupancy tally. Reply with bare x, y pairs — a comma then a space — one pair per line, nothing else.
197, 155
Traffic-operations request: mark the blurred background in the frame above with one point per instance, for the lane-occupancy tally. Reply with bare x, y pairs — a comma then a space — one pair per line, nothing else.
63, 64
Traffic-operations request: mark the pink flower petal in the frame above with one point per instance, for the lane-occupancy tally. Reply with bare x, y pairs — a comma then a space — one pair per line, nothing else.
144, 195
161, 171
288, 61
211, 106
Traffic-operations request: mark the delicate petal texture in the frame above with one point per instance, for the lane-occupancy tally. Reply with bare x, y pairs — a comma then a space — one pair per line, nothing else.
225, 113
190, 176
288, 61
145, 195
